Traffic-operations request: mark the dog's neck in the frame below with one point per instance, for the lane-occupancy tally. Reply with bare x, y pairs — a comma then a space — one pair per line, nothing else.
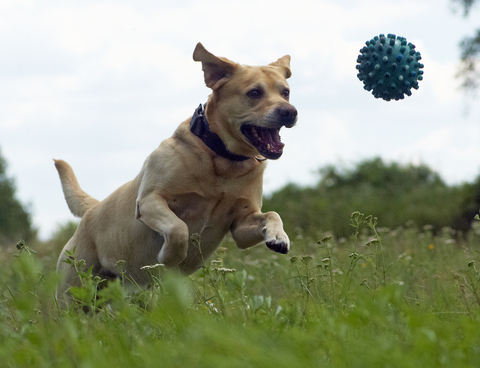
200, 127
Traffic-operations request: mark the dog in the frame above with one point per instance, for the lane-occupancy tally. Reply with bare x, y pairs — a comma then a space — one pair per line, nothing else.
206, 179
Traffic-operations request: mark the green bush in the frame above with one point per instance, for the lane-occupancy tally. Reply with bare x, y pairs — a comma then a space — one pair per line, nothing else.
397, 194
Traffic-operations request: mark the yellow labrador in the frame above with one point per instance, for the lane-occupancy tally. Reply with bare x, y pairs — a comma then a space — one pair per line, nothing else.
206, 179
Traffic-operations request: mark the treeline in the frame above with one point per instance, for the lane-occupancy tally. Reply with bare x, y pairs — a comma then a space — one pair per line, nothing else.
15, 220
394, 193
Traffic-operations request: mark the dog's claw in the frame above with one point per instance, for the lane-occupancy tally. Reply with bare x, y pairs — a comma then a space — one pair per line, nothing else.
278, 246
277, 240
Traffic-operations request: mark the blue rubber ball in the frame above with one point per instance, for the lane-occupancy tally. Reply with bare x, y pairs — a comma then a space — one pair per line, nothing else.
389, 67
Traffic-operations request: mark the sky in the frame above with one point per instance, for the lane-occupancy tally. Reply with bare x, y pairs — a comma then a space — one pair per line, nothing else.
101, 83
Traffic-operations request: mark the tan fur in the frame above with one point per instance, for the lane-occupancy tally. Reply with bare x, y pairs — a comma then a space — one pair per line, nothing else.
184, 188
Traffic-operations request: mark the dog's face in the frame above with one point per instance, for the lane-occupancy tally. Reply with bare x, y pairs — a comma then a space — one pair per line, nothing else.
249, 104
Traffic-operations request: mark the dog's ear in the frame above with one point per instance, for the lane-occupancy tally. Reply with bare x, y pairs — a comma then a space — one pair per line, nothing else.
216, 70
284, 63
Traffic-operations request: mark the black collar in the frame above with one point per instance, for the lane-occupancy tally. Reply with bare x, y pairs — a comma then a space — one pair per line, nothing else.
199, 126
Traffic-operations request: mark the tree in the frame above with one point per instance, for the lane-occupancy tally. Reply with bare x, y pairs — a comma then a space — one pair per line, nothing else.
470, 53
470, 203
15, 221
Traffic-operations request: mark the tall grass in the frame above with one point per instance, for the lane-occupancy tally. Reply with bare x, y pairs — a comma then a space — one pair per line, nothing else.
382, 297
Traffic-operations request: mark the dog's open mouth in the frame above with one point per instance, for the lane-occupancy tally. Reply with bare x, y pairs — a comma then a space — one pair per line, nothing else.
266, 141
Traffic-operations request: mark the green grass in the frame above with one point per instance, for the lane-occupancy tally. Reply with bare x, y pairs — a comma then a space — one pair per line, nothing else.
382, 298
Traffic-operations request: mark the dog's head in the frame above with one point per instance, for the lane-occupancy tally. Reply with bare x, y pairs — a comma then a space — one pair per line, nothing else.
249, 104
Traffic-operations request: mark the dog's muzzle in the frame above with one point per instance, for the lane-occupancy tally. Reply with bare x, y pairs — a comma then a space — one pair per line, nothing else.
267, 140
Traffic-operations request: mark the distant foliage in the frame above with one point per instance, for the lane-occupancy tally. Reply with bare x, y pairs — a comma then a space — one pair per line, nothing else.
15, 222
51, 248
469, 196
62, 235
469, 70
466, 5
395, 193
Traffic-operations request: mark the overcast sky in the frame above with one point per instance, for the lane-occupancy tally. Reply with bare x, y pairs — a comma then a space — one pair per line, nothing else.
101, 83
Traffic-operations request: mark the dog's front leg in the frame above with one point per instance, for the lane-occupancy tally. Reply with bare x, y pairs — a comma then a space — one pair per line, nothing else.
154, 212
257, 227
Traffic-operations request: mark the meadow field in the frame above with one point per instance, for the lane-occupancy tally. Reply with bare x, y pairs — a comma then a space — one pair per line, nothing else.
380, 297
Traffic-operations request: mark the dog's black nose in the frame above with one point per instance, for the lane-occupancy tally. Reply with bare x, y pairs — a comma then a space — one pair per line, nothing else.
288, 115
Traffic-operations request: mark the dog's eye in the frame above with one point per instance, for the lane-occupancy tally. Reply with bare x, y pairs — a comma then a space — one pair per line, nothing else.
286, 93
255, 93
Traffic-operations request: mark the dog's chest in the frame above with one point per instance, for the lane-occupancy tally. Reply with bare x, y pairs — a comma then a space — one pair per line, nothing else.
200, 212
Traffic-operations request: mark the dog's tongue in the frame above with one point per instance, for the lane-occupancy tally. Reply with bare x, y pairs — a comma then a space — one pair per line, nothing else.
271, 138
266, 141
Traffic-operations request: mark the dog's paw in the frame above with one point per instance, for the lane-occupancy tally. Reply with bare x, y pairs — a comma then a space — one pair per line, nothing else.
278, 242
279, 247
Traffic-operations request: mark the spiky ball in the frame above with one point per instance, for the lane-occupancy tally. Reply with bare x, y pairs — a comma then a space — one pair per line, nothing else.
389, 67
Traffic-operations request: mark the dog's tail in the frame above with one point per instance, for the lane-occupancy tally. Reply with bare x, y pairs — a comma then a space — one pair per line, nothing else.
78, 201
